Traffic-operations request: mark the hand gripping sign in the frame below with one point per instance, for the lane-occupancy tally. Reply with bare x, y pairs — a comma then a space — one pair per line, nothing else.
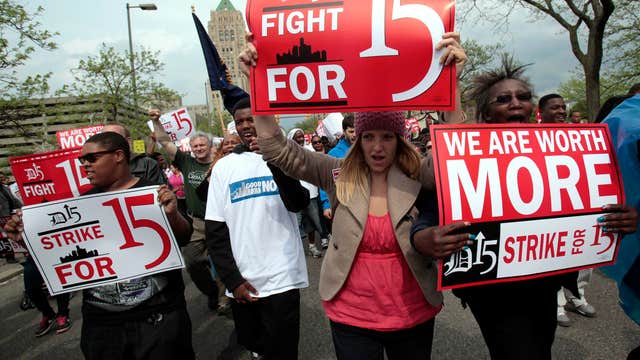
533, 195
73, 138
328, 56
177, 124
7, 245
100, 239
49, 176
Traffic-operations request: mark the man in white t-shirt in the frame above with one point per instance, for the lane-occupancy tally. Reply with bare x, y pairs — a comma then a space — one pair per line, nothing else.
255, 246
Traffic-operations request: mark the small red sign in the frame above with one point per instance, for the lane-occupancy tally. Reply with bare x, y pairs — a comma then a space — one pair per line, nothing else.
73, 138
49, 176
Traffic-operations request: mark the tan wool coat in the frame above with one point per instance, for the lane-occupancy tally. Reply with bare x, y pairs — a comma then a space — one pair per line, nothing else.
349, 219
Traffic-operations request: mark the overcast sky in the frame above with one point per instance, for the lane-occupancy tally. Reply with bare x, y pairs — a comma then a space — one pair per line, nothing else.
85, 25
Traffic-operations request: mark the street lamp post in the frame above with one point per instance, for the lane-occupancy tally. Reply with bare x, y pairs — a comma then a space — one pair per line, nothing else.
131, 56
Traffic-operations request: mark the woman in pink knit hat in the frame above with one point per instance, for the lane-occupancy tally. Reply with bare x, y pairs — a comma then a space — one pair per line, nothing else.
379, 293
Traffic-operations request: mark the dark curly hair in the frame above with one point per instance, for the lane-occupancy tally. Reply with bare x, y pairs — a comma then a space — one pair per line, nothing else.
509, 69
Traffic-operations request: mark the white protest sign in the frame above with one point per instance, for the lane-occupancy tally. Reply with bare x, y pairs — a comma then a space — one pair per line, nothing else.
177, 124
333, 125
100, 239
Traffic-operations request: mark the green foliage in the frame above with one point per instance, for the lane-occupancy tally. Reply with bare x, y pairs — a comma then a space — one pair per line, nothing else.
309, 125
621, 67
480, 59
20, 35
622, 63
107, 76
211, 124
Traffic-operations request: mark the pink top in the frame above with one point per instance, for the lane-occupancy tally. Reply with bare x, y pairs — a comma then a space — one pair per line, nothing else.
177, 182
380, 293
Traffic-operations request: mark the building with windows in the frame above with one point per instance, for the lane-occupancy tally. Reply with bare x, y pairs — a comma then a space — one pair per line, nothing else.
227, 29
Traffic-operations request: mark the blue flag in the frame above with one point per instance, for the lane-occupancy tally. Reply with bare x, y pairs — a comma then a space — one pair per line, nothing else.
218, 74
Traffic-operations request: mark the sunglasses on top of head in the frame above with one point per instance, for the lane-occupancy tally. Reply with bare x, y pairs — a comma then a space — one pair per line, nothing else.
93, 157
506, 99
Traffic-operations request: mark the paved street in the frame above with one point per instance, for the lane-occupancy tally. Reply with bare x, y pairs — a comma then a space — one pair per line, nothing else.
609, 336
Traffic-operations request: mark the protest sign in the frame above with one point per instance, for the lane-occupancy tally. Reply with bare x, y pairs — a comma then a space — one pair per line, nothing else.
7, 245
177, 124
139, 146
100, 239
412, 127
73, 138
49, 176
327, 56
533, 195
15, 191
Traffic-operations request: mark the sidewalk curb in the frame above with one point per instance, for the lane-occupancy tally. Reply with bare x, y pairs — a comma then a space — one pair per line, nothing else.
10, 273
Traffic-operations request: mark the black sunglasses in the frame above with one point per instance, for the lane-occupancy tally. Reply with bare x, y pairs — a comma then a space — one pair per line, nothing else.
316, 142
505, 99
93, 157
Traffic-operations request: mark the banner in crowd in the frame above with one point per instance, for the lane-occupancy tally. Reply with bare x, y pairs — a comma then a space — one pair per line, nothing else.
73, 138
412, 127
177, 124
100, 239
328, 56
7, 245
533, 195
49, 176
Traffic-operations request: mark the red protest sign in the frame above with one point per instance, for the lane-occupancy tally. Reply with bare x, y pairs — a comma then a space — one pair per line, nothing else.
327, 56
72, 138
533, 195
49, 176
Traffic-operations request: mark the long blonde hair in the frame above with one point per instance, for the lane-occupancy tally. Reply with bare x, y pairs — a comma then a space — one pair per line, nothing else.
354, 173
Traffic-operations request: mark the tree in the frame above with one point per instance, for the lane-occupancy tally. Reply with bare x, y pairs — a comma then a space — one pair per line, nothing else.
480, 59
310, 124
572, 90
211, 123
581, 18
108, 76
20, 35
622, 63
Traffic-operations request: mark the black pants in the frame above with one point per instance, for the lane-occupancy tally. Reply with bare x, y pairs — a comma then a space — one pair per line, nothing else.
161, 336
517, 322
33, 286
354, 343
270, 326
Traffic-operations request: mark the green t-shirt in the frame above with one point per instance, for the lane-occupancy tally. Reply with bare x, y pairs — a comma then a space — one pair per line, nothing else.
193, 173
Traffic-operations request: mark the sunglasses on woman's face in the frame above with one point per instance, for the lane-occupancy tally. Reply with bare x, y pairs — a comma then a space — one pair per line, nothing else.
316, 142
506, 99
93, 157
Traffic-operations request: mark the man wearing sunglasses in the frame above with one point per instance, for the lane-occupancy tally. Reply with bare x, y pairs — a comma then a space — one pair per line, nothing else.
194, 170
142, 318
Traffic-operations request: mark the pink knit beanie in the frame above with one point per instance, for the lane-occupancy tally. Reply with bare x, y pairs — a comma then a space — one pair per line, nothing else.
385, 120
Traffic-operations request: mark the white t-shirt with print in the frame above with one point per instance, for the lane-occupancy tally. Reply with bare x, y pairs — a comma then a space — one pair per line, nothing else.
265, 240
